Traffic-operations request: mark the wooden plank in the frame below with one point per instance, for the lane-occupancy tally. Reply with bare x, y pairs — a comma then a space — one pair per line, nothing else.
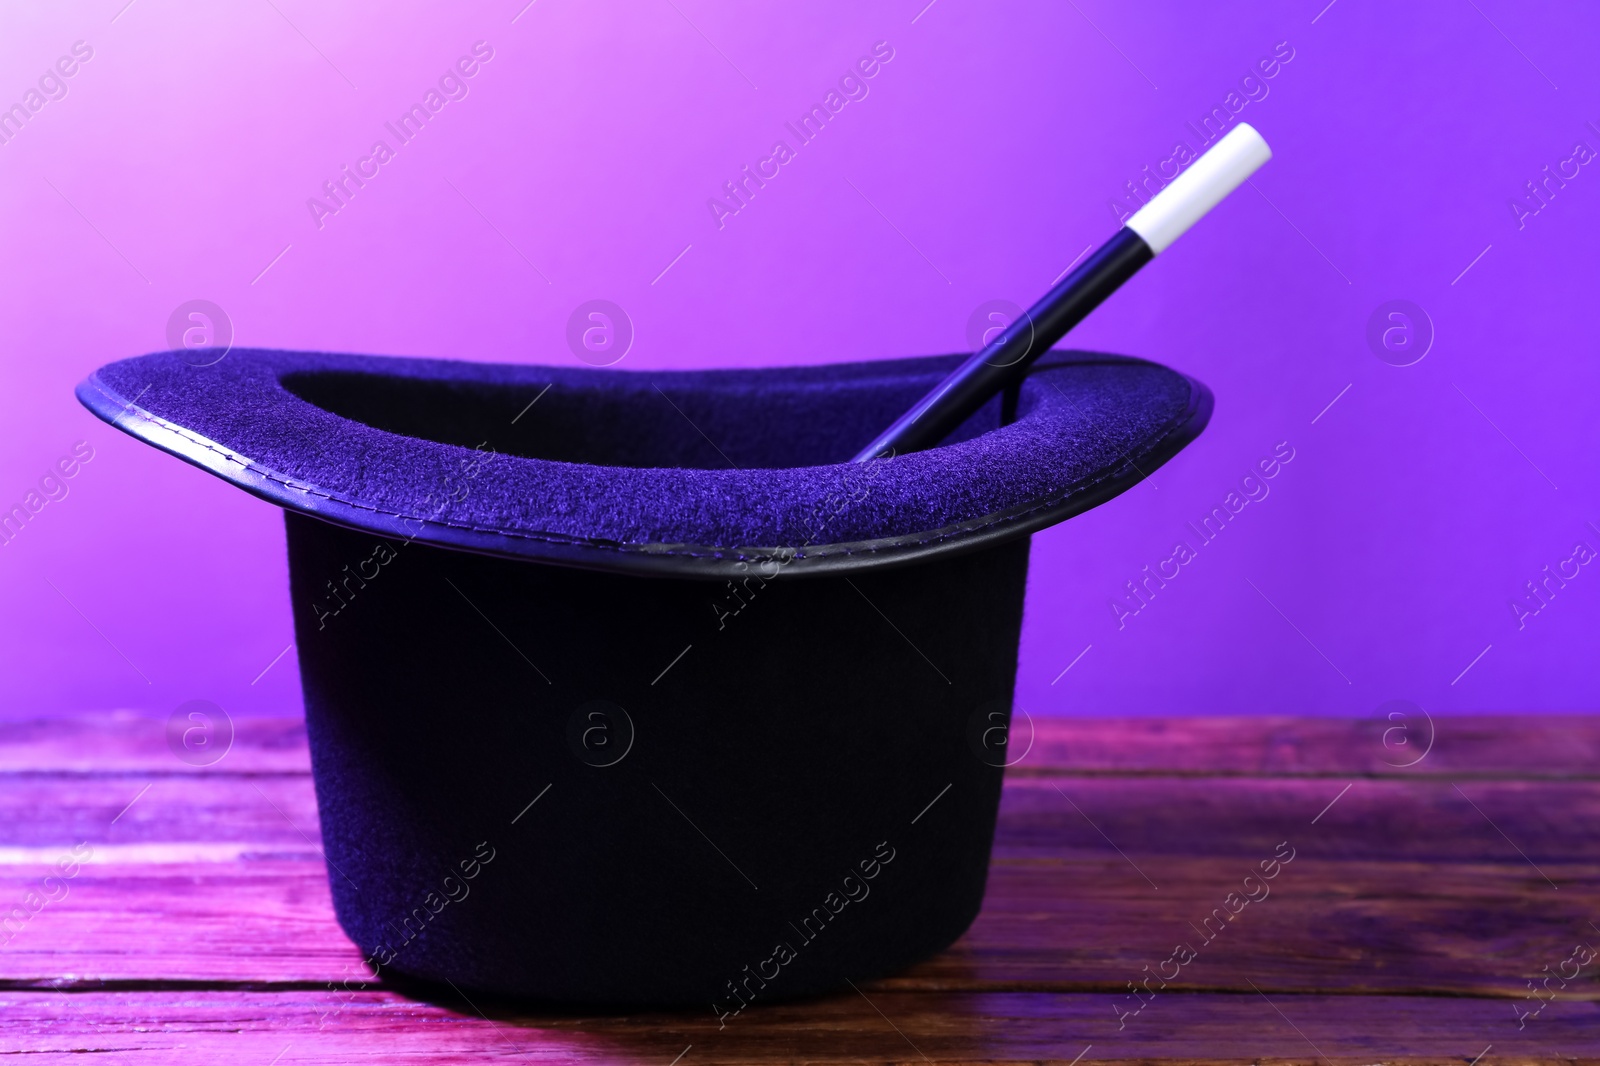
252, 922
123, 742
1414, 820
885, 1027
1350, 927
39, 814
1529, 746
1526, 746
1047, 925
207, 901
1423, 819
1392, 889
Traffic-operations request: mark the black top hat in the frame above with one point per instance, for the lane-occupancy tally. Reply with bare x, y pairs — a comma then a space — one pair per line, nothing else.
578, 730
675, 473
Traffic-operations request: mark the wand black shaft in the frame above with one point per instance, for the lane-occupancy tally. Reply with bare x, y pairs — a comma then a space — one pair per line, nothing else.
1006, 360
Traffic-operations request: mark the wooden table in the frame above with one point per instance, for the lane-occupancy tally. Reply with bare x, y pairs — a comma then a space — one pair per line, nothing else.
1419, 904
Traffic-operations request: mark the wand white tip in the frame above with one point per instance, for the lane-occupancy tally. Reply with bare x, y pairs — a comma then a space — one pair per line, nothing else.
1200, 188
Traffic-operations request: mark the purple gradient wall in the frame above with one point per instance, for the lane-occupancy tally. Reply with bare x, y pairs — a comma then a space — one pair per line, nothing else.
983, 160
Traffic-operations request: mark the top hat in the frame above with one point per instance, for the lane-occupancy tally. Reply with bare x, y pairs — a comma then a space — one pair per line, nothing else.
630, 687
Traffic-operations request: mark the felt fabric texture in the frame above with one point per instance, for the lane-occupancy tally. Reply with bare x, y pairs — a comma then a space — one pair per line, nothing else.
774, 749
672, 472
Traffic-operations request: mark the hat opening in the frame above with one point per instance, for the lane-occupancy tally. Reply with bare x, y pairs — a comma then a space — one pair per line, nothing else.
630, 420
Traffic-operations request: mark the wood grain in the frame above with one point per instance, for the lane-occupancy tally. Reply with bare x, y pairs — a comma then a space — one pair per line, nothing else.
881, 1027
123, 742
1047, 925
1524, 746
1420, 901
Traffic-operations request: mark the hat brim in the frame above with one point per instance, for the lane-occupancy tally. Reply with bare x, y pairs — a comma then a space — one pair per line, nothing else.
697, 474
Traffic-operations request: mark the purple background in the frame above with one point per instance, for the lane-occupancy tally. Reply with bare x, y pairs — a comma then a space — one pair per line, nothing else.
179, 162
